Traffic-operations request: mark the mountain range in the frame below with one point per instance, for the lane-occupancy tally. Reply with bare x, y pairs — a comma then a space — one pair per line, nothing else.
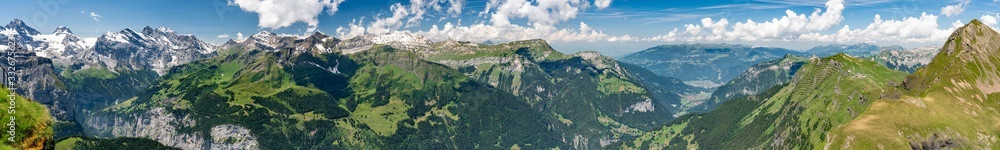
399, 90
845, 102
182, 92
856, 50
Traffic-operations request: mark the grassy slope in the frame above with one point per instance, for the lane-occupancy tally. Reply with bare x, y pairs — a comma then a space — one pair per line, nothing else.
795, 117
755, 80
100, 87
383, 98
589, 96
32, 120
952, 100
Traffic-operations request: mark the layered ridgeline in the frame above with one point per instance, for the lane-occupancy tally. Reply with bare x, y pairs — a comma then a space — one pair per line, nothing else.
122, 63
753, 81
394, 91
705, 65
848, 103
70, 74
907, 60
765, 75
950, 103
856, 50
824, 94
702, 65
595, 99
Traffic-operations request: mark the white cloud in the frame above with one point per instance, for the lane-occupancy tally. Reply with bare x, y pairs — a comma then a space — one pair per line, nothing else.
954, 10
542, 16
353, 30
601, 4
989, 19
789, 26
223, 36
276, 14
799, 27
239, 35
547, 12
918, 30
405, 16
484, 32
95, 16
957, 24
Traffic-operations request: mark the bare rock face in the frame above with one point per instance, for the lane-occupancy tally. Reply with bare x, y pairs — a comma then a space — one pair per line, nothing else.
158, 125
35, 78
226, 137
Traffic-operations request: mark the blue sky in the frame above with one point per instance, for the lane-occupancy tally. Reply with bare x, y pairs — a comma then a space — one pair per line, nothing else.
613, 27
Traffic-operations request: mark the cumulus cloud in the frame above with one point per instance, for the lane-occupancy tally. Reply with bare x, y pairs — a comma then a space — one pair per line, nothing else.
788, 27
276, 14
815, 27
910, 29
989, 19
404, 16
601, 4
95, 16
223, 36
542, 16
546, 12
954, 10
545, 18
484, 32
239, 35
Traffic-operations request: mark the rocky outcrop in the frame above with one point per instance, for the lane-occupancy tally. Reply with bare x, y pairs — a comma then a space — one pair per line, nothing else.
227, 137
157, 124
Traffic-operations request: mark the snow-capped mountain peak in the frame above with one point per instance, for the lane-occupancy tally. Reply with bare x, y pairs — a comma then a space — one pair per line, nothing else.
404, 38
20, 27
148, 30
127, 31
156, 49
120, 37
62, 30
165, 30
263, 35
61, 46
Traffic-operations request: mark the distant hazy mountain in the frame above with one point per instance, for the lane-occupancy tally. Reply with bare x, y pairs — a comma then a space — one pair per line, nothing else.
824, 94
842, 102
856, 50
907, 60
753, 81
711, 64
